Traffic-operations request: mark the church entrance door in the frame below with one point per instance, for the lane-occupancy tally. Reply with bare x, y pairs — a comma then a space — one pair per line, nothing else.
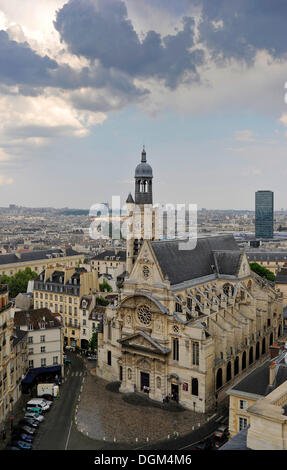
174, 392
144, 381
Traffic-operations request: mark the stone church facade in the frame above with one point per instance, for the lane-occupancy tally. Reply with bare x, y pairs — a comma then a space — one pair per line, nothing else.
188, 322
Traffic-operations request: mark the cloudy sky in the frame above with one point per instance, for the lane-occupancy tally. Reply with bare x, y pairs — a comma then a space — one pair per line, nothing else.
85, 83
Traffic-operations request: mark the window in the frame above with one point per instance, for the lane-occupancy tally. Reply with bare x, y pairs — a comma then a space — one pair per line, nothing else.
243, 404
31, 363
242, 423
43, 361
30, 351
55, 360
109, 358
195, 354
42, 339
84, 322
109, 330
43, 349
30, 339
175, 349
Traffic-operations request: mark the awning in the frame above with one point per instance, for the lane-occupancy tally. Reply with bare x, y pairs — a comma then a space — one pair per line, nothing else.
33, 373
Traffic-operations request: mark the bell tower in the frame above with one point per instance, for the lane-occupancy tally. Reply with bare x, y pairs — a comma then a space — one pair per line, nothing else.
143, 181
140, 212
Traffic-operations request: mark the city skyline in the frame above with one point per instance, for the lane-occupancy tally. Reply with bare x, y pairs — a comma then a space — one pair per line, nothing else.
76, 114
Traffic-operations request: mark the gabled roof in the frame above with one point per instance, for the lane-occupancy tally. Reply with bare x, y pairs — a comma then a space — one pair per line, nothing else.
35, 318
158, 349
184, 265
227, 262
107, 254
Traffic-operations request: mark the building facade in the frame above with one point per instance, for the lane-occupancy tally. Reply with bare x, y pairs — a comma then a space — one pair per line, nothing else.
188, 322
45, 340
7, 354
61, 290
264, 214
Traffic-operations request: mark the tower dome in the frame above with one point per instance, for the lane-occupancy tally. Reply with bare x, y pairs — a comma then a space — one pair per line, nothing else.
143, 169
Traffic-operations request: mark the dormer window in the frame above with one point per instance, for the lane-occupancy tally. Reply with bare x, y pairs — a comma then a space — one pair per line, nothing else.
30, 326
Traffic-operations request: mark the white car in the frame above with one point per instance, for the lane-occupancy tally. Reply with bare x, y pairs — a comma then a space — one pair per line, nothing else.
35, 416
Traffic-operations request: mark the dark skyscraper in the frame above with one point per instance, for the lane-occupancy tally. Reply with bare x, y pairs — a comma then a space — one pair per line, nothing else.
264, 207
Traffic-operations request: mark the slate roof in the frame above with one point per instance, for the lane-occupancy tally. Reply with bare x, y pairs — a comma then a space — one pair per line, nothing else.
130, 199
36, 255
254, 255
35, 317
184, 265
257, 381
18, 335
227, 262
238, 442
121, 254
281, 277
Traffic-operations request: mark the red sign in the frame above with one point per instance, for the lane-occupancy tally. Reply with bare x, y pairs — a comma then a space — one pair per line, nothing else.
185, 386
11, 417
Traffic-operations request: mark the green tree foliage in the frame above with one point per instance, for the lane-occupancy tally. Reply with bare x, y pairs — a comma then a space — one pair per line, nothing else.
101, 301
105, 287
19, 282
261, 271
93, 343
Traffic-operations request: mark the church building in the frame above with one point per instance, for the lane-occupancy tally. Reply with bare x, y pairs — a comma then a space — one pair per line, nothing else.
189, 322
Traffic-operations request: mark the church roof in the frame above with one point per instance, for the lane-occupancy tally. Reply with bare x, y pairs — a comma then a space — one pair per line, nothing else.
130, 199
184, 265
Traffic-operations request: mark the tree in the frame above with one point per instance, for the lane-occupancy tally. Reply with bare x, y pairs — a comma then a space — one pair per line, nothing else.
263, 272
93, 343
105, 287
19, 282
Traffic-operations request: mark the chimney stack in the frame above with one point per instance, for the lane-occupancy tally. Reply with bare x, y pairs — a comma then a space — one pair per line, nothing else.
272, 373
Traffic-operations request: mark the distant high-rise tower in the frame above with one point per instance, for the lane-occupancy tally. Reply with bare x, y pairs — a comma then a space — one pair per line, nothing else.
264, 209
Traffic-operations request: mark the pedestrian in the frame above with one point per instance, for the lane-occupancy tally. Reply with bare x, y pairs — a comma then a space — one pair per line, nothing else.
135, 387
3, 433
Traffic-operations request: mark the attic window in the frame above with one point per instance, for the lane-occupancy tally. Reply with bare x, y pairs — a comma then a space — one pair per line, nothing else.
30, 326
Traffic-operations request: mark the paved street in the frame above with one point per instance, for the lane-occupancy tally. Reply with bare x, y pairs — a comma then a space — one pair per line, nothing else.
59, 431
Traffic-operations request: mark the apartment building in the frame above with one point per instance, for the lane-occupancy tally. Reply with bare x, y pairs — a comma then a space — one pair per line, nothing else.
61, 290
7, 364
45, 339
38, 260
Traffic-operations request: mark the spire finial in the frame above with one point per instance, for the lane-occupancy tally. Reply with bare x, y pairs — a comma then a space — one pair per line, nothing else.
143, 155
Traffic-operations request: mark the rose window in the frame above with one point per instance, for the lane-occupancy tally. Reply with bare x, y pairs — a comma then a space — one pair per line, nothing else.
144, 315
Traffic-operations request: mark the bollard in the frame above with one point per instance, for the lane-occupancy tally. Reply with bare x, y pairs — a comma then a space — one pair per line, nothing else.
168, 436
104, 438
193, 428
198, 425
147, 439
115, 439
136, 439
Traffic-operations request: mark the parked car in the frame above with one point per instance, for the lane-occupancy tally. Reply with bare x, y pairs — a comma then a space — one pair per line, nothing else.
29, 422
22, 436
34, 416
92, 357
28, 430
220, 436
21, 444
35, 410
38, 403
207, 444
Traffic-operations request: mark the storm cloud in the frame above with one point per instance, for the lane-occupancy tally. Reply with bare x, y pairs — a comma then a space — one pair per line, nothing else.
239, 29
103, 32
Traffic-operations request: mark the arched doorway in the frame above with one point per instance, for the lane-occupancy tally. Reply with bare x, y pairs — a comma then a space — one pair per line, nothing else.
271, 339
236, 365
244, 360
263, 346
257, 352
219, 379
228, 372
251, 355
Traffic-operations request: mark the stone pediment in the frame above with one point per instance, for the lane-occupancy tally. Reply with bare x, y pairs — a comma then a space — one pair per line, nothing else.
144, 342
